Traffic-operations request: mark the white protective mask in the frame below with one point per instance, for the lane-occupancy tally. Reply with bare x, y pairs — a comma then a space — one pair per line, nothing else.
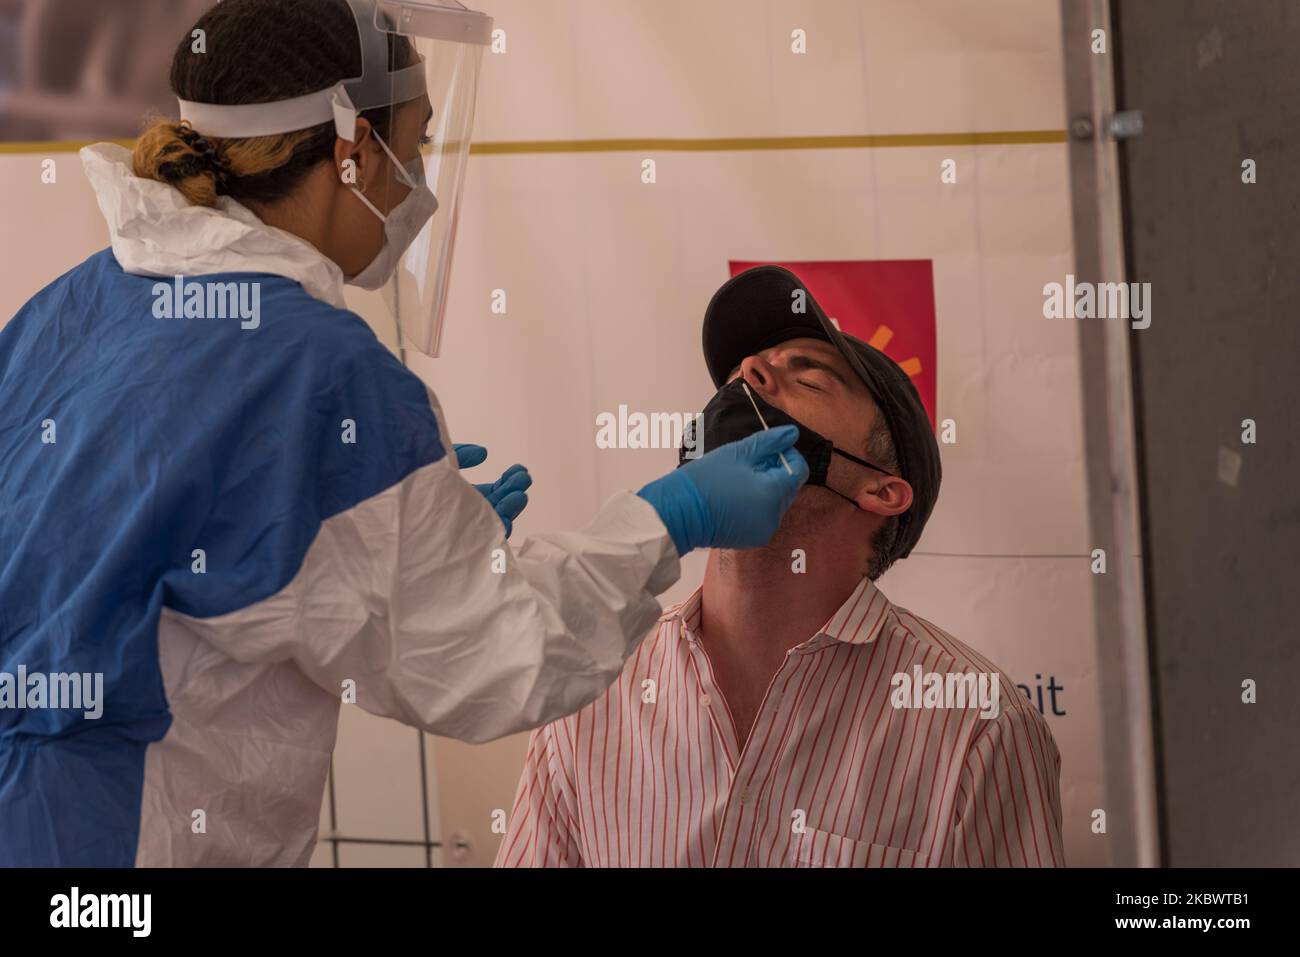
402, 224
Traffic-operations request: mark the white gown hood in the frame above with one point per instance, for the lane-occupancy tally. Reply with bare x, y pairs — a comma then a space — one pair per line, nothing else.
156, 232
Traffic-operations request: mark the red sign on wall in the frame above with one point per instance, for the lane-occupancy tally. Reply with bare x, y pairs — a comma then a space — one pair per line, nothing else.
888, 304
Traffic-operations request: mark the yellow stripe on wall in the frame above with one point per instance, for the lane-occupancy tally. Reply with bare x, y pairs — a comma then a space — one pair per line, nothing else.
57, 146
744, 143
668, 145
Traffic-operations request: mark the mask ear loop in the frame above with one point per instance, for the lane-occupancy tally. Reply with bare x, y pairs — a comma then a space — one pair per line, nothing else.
369, 205
854, 458
863, 462
859, 462
852, 502
401, 173
345, 125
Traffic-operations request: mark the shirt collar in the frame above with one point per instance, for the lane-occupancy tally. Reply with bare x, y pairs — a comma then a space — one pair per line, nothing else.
861, 617
686, 614
858, 621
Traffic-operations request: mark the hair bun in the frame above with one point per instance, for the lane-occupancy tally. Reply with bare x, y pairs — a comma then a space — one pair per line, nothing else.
204, 149
174, 153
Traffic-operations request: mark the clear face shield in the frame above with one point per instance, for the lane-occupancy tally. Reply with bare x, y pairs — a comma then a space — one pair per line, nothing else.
419, 80
429, 53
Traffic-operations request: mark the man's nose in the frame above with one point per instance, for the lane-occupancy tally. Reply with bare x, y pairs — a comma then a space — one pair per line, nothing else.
760, 374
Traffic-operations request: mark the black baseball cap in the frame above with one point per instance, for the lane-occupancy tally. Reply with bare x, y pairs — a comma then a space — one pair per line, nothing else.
756, 309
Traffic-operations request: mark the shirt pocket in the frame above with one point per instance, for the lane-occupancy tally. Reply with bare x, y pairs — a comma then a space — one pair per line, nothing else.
814, 848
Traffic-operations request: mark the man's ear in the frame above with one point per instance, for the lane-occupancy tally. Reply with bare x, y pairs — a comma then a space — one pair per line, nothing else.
884, 495
355, 172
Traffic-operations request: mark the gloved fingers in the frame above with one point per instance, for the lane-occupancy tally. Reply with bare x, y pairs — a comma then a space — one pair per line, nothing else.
765, 451
511, 505
469, 455
511, 478
517, 480
768, 443
509, 508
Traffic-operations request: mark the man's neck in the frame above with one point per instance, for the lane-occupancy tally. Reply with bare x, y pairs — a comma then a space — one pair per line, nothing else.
759, 603
755, 606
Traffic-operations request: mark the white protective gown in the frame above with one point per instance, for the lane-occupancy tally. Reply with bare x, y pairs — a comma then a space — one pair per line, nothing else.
396, 593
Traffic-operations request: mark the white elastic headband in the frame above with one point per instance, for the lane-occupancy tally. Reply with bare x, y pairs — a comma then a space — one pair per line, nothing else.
261, 119
289, 116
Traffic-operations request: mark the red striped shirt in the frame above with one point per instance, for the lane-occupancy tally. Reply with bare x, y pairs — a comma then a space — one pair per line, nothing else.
833, 774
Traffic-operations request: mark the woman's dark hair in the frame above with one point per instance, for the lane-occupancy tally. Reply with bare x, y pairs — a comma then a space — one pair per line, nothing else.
257, 51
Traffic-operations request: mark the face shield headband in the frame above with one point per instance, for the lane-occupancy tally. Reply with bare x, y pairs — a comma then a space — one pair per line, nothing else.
346, 100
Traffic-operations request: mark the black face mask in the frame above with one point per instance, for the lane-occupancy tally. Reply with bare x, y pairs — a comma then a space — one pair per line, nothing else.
731, 416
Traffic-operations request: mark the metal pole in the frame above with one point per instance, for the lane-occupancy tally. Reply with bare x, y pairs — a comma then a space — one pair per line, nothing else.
1128, 751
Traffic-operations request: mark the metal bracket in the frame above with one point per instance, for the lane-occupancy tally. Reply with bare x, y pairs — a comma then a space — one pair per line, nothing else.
1081, 128
1124, 125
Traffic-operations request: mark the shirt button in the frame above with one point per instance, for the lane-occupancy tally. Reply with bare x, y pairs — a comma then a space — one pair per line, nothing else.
744, 795
705, 700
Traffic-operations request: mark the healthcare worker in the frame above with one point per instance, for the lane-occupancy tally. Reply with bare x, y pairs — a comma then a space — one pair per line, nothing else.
226, 508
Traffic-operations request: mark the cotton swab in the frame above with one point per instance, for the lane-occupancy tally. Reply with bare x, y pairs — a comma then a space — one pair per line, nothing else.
745, 385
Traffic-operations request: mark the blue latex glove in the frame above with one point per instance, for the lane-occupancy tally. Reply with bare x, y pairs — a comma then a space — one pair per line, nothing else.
732, 497
506, 494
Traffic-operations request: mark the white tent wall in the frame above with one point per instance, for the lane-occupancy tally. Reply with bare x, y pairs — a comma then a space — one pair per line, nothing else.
606, 278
